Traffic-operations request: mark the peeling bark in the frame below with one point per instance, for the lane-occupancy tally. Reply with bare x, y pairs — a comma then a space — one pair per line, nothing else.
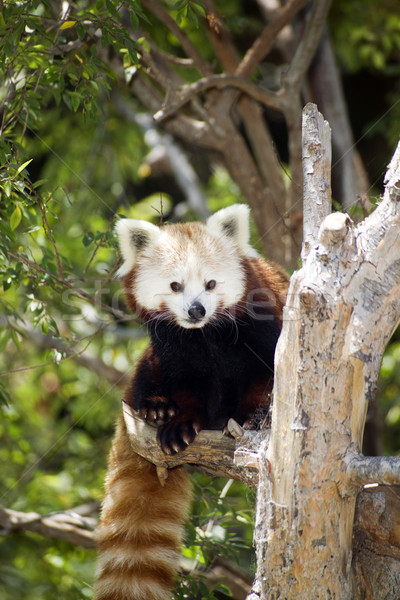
316, 174
376, 544
343, 306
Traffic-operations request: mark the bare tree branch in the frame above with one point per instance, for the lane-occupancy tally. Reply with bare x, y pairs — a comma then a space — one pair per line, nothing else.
221, 39
191, 130
265, 155
68, 526
316, 174
361, 470
262, 45
285, 40
187, 92
294, 78
211, 451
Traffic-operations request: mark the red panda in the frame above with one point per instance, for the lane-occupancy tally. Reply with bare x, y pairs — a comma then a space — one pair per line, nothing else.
213, 309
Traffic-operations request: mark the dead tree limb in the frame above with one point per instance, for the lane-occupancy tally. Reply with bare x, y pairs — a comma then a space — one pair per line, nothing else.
70, 526
343, 307
211, 451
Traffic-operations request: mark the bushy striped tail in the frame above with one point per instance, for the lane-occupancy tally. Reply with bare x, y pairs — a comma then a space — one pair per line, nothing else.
141, 527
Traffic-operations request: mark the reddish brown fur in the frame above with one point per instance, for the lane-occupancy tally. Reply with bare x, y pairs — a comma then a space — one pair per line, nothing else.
269, 280
141, 522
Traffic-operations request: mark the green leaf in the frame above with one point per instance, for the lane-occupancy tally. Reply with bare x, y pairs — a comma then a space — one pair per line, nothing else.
15, 339
5, 397
198, 8
220, 587
57, 96
5, 150
53, 325
88, 238
15, 218
7, 188
4, 337
7, 284
111, 8
44, 326
180, 5
39, 182
75, 100
193, 18
81, 31
23, 166
143, 42
134, 19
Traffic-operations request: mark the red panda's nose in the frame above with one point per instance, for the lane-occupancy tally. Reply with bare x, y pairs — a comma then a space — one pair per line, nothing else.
196, 311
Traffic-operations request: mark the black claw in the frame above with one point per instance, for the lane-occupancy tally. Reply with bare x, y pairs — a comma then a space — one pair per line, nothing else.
175, 437
157, 411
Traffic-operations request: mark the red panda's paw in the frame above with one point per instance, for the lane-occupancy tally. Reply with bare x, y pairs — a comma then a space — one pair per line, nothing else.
158, 410
176, 435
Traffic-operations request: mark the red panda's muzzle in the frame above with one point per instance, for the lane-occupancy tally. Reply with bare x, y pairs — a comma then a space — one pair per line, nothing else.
196, 312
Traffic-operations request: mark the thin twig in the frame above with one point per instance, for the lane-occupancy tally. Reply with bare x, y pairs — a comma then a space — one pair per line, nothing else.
262, 45
48, 231
171, 25
187, 92
78, 292
107, 279
193, 131
97, 246
175, 60
91, 362
221, 39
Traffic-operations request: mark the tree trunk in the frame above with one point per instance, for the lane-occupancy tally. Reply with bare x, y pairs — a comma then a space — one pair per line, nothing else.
376, 544
342, 308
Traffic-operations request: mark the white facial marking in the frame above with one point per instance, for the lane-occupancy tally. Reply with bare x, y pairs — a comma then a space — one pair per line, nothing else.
187, 272
189, 263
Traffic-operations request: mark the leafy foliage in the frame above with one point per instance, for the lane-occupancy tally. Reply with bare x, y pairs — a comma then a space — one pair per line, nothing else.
367, 34
367, 41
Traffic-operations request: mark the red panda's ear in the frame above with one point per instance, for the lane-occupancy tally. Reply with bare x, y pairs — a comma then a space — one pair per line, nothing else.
134, 236
233, 223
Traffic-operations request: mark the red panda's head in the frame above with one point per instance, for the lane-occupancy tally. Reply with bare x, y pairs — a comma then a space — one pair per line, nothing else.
186, 272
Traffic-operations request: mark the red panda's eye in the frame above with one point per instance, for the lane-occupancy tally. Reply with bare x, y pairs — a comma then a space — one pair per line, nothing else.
210, 285
176, 287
